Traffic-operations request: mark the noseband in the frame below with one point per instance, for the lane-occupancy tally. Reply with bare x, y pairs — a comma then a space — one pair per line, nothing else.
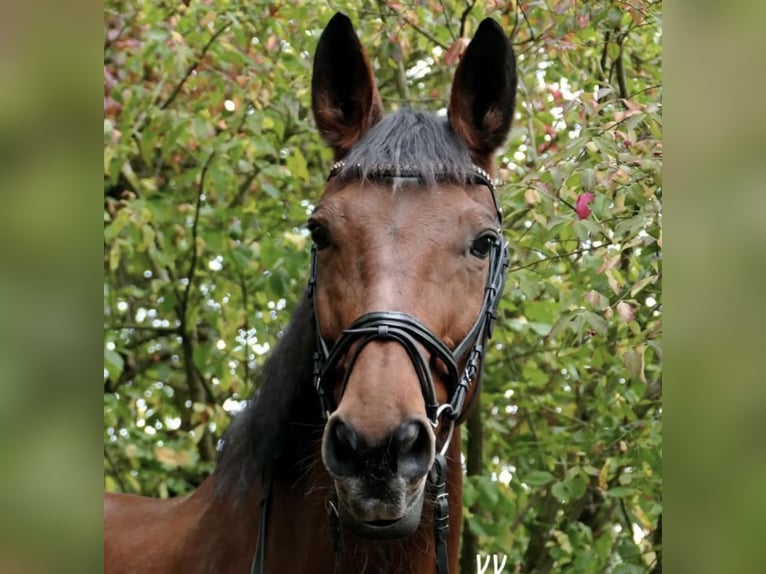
413, 335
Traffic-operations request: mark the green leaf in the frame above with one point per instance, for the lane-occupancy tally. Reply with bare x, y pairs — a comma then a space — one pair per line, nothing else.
537, 478
620, 492
596, 322
296, 163
634, 363
642, 284
113, 363
561, 491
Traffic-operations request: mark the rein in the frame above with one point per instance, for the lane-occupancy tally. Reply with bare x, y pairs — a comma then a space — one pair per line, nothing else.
410, 333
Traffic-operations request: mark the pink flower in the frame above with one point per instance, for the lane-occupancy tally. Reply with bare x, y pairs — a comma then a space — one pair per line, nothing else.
581, 206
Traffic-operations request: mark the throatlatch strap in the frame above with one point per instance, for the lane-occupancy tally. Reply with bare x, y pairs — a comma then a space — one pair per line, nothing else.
259, 559
438, 483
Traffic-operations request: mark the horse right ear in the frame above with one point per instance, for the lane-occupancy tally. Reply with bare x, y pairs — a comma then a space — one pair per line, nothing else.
344, 97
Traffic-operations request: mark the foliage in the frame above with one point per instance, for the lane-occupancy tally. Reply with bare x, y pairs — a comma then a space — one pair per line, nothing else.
211, 164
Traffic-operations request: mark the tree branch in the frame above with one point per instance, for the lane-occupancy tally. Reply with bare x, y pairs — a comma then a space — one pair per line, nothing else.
419, 30
447, 20
400, 77
151, 328
620, 68
657, 543
464, 17
190, 70
197, 391
195, 231
532, 37
602, 62
551, 258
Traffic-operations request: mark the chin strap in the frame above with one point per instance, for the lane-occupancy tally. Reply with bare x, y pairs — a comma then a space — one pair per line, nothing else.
437, 481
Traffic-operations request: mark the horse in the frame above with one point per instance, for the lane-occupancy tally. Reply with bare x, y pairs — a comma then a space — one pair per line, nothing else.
347, 458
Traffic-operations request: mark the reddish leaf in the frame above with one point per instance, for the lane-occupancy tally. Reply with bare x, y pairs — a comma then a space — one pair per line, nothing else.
581, 206
455, 51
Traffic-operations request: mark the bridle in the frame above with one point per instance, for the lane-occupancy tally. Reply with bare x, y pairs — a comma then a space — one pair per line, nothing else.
411, 334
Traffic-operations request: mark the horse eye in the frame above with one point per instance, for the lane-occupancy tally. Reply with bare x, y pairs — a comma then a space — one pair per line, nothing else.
482, 245
319, 235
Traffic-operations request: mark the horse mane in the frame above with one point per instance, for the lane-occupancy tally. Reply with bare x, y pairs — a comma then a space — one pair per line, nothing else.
411, 140
275, 430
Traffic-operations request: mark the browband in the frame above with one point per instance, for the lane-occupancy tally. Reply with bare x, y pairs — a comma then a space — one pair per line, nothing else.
476, 175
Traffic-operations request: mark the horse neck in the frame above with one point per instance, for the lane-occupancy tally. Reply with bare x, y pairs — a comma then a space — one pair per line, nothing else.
271, 438
221, 533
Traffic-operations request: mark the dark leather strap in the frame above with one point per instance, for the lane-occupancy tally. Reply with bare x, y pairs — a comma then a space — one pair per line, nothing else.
475, 175
394, 326
438, 484
259, 559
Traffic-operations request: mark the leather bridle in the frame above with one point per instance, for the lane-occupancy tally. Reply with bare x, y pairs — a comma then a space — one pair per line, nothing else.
414, 336
409, 331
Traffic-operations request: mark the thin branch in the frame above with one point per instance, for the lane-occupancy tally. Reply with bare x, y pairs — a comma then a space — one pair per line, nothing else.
464, 16
529, 24
447, 20
151, 328
552, 257
419, 30
190, 70
620, 68
646, 89
245, 185
206, 386
243, 188
530, 124
197, 390
195, 231
657, 544
532, 502
400, 77
604, 52
516, 21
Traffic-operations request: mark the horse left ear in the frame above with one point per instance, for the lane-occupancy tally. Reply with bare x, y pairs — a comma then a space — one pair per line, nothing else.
484, 92
344, 97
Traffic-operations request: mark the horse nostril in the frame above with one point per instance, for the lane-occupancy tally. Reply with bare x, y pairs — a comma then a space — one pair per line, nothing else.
407, 434
346, 437
341, 444
413, 449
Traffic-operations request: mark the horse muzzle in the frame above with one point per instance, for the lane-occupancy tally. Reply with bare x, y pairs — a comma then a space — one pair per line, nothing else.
363, 510
380, 487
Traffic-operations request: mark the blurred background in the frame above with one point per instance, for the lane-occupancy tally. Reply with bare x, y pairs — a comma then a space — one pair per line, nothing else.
50, 77
51, 73
211, 167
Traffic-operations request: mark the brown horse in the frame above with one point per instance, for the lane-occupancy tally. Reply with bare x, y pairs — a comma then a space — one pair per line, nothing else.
348, 457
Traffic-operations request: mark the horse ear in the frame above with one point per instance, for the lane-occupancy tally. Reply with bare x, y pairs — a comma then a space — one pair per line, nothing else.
344, 97
484, 91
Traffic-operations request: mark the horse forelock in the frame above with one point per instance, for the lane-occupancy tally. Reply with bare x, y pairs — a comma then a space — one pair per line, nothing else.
409, 139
